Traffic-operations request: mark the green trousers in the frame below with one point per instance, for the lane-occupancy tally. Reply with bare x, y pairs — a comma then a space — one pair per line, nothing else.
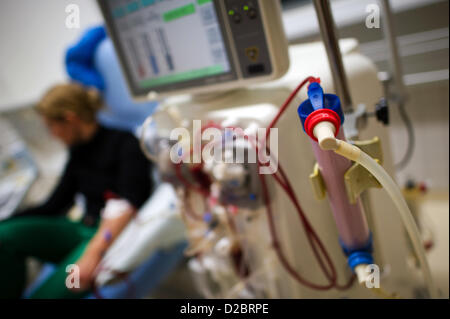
49, 239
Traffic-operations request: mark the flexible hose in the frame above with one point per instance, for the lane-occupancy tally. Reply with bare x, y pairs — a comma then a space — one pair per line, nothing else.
411, 138
355, 154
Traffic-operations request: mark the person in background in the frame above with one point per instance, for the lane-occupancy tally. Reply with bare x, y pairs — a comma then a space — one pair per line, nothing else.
104, 165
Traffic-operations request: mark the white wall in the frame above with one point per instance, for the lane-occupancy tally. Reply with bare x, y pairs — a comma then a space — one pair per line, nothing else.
428, 109
302, 21
33, 40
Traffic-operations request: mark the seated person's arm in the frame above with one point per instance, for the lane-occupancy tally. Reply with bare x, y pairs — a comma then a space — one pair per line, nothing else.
108, 231
134, 186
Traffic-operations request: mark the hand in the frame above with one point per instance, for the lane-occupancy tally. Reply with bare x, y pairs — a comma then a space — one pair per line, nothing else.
87, 265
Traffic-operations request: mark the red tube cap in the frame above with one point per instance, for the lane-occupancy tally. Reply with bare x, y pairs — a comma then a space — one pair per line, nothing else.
319, 116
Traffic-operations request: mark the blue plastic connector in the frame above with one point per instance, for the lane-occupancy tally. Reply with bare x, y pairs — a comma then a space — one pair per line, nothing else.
359, 256
319, 100
315, 94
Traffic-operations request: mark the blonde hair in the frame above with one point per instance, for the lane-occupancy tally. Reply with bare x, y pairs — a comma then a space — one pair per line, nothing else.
84, 102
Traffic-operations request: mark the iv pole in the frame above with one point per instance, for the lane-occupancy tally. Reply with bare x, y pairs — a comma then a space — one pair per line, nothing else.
331, 42
394, 61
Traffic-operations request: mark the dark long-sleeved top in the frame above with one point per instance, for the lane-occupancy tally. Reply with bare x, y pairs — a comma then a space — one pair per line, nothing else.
111, 162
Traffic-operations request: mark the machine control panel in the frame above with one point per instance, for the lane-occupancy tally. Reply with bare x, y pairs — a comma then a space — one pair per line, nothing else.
171, 47
246, 25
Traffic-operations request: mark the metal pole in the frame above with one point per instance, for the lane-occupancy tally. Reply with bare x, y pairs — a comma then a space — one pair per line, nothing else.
394, 61
331, 42
398, 93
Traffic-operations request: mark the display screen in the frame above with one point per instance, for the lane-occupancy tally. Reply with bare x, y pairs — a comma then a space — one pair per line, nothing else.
168, 42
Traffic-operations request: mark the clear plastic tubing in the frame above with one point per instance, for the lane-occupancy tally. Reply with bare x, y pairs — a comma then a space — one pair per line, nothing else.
352, 152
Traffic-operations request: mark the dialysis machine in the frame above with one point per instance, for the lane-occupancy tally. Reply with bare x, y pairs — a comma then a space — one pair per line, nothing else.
242, 133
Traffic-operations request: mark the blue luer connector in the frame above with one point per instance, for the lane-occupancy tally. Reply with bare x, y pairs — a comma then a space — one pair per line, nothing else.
315, 94
317, 99
358, 256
